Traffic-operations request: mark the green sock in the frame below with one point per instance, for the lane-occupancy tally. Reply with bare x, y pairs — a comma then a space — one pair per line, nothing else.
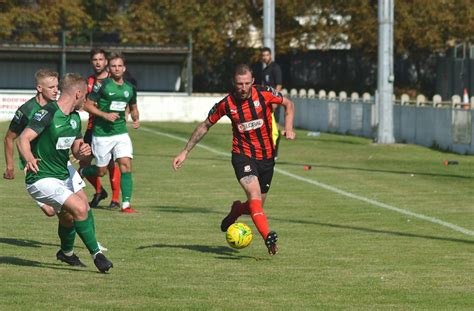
89, 171
91, 216
67, 237
85, 229
126, 185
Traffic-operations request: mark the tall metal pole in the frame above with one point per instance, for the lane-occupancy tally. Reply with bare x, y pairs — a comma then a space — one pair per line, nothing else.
269, 25
385, 77
189, 67
63, 53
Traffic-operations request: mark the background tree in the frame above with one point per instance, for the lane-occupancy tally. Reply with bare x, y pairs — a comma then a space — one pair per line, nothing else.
42, 21
220, 29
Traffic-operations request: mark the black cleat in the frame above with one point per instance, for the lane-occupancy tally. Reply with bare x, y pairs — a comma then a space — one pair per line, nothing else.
270, 242
97, 198
72, 260
114, 205
229, 219
102, 263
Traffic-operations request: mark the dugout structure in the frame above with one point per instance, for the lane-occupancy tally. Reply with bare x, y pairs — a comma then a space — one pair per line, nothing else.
154, 68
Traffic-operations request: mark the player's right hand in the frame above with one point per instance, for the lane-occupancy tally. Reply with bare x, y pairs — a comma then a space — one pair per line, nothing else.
32, 165
178, 161
9, 173
111, 116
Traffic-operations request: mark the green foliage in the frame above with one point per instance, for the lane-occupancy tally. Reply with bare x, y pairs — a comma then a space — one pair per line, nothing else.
221, 28
44, 21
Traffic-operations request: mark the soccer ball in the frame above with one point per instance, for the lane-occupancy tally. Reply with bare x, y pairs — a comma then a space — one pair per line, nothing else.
239, 235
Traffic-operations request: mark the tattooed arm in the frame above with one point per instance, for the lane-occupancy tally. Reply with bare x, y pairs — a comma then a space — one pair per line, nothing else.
200, 131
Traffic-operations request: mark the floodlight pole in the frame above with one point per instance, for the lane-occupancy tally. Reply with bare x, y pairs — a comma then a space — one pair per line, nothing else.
269, 25
63, 53
385, 77
189, 66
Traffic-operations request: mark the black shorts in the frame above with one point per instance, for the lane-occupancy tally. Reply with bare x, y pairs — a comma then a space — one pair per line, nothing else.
263, 169
88, 136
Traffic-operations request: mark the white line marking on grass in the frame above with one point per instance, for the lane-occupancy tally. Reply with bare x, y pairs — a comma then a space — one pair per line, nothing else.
333, 189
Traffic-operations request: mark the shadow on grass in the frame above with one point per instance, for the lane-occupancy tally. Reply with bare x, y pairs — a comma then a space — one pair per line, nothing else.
370, 230
9, 260
24, 243
314, 165
223, 252
184, 210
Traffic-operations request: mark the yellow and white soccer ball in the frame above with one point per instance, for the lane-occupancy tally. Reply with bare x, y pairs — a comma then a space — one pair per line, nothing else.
239, 235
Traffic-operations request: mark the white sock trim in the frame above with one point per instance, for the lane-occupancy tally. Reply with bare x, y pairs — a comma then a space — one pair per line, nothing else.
68, 254
125, 205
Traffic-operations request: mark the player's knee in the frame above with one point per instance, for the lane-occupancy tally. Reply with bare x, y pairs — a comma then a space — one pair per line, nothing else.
101, 171
125, 167
81, 209
66, 220
76, 207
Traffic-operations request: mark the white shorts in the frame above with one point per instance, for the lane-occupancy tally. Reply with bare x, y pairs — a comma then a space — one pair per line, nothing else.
77, 181
108, 147
74, 183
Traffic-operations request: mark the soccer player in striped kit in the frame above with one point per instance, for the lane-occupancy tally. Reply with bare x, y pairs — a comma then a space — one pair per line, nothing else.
249, 108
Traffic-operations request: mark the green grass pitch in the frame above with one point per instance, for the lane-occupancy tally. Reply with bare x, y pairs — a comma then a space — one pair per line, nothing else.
369, 227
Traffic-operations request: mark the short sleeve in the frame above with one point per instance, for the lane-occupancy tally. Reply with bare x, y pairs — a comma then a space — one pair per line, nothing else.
217, 112
19, 122
40, 120
96, 92
271, 95
133, 100
77, 118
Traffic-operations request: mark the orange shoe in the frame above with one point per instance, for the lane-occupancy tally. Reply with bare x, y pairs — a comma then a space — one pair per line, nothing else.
128, 210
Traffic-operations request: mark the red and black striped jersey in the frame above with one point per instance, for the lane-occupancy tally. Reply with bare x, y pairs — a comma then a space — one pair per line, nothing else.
91, 81
251, 121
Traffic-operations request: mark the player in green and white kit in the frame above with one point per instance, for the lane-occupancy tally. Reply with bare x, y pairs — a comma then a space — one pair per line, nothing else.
45, 145
47, 90
108, 102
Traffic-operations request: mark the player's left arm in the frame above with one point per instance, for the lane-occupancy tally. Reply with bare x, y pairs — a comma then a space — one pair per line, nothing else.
289, 117
132, 105
135, 115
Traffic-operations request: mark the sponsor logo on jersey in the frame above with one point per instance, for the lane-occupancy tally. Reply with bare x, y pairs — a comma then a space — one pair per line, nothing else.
73, 124
97, 87
233, 111
18, 115
111, 93
117, 105
213, 109
256, 103
126, 94
250, 125
39, 115
64, 143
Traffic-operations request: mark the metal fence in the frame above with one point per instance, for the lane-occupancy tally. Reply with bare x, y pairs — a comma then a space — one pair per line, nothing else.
441, 125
